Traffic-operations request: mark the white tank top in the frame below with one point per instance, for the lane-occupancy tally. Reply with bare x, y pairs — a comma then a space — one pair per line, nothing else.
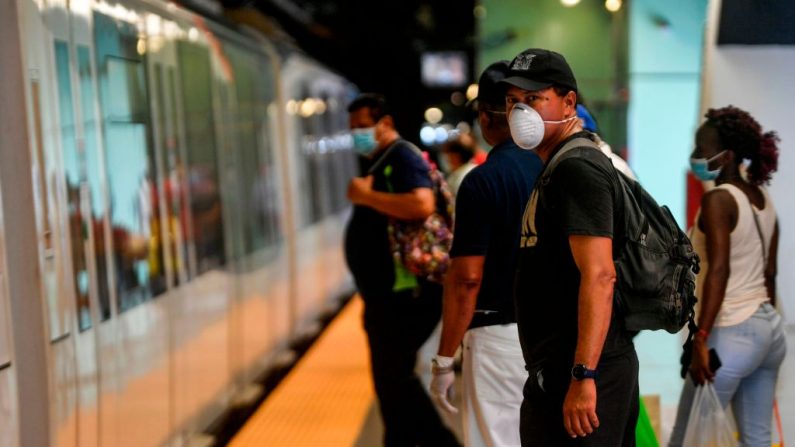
745, 290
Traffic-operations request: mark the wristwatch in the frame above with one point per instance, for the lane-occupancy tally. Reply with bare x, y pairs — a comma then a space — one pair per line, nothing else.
581, 372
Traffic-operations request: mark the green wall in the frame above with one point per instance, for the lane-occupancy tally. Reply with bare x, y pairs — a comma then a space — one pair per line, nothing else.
592, 39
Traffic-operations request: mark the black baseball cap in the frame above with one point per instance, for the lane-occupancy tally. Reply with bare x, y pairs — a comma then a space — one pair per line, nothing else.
490, 88
536, 69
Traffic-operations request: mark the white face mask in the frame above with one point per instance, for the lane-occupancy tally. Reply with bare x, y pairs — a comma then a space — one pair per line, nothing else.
527, 126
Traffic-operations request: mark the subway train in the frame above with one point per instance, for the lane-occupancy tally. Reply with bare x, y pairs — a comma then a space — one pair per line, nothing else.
188, 184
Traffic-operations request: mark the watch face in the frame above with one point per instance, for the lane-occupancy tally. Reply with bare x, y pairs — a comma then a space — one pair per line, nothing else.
580, 372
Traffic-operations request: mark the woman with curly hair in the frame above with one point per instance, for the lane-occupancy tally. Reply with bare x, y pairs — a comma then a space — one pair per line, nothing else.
737, 227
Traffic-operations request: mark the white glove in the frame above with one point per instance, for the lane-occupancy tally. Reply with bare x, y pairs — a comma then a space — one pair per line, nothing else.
442, 382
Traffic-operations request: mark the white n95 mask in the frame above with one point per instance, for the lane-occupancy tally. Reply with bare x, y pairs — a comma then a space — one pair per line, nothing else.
527, 126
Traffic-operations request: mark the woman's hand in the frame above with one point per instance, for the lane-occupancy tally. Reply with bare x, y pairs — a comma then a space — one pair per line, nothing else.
699, 366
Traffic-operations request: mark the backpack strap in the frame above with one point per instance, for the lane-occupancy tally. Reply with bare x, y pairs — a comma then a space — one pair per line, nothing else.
558, 157
377, 165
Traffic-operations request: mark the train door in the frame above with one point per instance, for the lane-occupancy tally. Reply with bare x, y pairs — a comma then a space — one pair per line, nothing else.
232, 194
135, 348
201, 340
162, 72
60, 203
79, 241
260, 264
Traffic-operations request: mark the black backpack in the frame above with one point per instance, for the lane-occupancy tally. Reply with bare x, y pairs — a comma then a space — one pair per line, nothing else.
656, 264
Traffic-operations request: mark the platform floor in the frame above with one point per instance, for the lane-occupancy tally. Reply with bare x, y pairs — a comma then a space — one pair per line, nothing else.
327, 399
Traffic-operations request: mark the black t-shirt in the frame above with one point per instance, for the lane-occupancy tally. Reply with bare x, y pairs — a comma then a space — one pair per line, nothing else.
488, 214
578, 200
366, 243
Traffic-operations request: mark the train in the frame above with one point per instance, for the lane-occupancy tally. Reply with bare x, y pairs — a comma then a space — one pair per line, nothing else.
172, 214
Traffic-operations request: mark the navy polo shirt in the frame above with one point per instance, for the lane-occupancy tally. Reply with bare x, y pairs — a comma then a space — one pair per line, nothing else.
367, 250
488, 219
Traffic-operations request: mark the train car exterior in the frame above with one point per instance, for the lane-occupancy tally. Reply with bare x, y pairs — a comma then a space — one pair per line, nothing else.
188, 198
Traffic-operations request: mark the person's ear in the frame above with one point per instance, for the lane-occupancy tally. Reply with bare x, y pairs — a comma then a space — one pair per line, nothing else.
570, 102
484, 119
387, 121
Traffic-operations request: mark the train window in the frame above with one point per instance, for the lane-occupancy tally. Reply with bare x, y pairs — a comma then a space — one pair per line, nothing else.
129, 156
72, 163
93, 171
202, 158
258, 181
269, 171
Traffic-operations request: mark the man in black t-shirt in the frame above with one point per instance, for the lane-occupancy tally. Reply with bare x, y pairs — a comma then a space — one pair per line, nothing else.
400, 310
575, 347
478, 293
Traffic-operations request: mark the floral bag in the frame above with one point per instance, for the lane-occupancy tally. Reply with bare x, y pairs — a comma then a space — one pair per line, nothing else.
423, 246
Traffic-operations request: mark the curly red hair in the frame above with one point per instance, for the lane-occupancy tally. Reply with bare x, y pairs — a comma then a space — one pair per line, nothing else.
742, 134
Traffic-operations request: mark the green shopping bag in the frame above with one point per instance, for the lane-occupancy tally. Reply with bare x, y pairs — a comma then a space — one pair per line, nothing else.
644, 432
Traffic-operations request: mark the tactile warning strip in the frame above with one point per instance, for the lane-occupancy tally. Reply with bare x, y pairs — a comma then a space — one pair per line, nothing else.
325, 399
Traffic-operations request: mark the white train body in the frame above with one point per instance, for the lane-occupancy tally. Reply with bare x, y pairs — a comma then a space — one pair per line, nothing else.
188, 197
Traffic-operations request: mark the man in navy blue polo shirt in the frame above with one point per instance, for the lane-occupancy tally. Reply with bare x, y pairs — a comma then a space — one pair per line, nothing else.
478, 294
400, 310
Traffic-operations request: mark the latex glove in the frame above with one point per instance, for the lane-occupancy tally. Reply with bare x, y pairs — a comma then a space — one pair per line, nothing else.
442, 382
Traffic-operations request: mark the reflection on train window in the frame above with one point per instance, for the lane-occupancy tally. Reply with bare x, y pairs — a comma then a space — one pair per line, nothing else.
172, 185
177, 176
73, 162
93, 171
135, 218
202, 159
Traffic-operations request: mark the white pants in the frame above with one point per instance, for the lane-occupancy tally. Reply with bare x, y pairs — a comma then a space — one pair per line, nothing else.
494, 375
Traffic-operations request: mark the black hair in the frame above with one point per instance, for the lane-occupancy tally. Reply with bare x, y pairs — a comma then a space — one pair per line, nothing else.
456, 146
562, 91
375, 102
497, 113
740, 133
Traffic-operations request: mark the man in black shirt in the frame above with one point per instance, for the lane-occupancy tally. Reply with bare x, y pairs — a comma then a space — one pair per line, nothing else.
478, 293
400, 310
575, 347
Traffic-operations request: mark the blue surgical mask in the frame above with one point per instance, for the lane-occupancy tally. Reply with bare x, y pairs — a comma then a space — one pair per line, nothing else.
364, 140
700, 168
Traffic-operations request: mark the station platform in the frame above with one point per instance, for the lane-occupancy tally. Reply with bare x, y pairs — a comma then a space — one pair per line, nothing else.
328, 398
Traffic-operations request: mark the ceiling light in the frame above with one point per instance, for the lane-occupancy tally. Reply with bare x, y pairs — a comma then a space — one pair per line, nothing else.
433, 115
472, 91
613, 5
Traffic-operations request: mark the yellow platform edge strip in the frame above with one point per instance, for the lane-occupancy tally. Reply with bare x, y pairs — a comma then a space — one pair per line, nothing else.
325, 399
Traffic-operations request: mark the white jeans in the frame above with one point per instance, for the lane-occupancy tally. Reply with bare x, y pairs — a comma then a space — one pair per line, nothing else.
494, 375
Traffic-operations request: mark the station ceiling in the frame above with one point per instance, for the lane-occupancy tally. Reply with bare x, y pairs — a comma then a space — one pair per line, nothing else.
378, 44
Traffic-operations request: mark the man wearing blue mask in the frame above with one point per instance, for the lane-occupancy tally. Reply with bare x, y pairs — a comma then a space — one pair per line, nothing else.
400, 309
478, 294
575, 346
